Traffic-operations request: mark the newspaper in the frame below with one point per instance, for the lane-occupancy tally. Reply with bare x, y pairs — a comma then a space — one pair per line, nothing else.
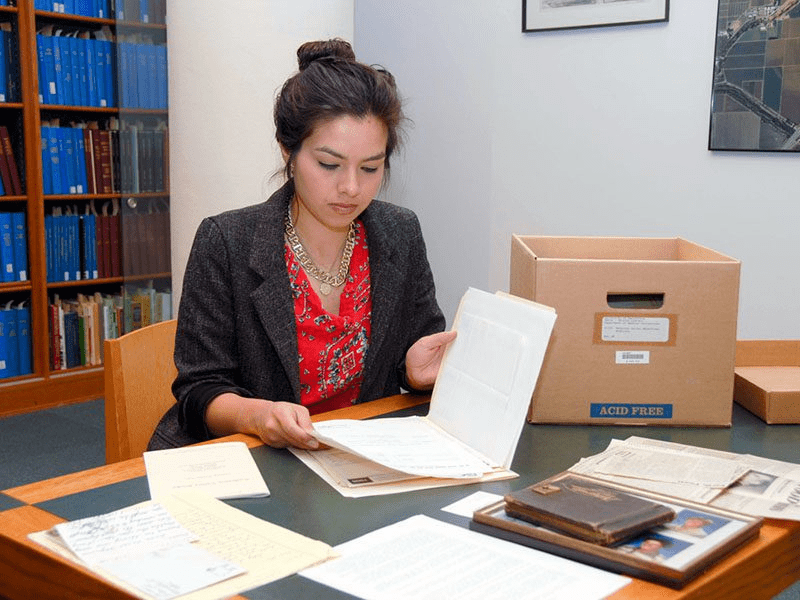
741, 482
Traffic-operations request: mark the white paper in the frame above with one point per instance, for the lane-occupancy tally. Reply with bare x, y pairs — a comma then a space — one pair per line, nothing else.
467, 506
407, 444
222, 470
421, 558
740, 482
479, 402
264, 551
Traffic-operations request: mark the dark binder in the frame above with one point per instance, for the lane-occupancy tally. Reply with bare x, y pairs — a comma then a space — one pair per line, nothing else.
586, 510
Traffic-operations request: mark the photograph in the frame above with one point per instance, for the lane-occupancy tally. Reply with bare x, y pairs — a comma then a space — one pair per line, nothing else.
542, 15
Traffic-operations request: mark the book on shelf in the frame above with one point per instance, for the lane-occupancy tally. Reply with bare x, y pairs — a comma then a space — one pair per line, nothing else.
6, 247
9, 353
9, 63
20, 245
8, 164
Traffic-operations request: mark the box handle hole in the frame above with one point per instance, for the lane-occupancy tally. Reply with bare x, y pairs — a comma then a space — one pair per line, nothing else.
645, 301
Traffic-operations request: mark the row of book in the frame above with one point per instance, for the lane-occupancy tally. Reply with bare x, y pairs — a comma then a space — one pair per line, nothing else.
13, 247
84, 159
77, 68
15, 340
10, 182
99, 246
79, 326
9, 65
143, 11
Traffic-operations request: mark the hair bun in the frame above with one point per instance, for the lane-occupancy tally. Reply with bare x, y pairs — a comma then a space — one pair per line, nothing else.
335, 48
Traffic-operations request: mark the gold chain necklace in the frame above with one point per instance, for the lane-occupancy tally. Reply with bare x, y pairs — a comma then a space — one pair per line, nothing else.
326, 281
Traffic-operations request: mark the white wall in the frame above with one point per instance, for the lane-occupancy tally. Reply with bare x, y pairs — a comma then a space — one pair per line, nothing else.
227, 60
580, 132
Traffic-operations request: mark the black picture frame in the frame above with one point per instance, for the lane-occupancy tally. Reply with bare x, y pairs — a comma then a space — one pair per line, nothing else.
546, 15
698, 537
755, 96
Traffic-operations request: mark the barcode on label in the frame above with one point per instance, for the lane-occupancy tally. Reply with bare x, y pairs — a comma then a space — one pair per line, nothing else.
627, 357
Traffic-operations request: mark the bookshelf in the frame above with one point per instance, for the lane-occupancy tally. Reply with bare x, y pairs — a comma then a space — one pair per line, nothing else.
83, 99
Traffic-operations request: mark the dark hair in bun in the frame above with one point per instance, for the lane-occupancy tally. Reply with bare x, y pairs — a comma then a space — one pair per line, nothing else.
331, 83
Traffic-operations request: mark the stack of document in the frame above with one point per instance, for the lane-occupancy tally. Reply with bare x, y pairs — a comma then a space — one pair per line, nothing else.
477, 410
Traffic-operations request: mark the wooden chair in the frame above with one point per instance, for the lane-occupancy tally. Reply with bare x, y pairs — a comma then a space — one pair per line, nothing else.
139, 371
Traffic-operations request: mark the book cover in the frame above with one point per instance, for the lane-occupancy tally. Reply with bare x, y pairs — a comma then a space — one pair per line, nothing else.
20, 246
6, 247
586, 510
5, 174
24, 339
5, 346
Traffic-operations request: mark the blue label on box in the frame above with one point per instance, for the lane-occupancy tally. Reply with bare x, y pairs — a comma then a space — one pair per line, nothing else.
631, 411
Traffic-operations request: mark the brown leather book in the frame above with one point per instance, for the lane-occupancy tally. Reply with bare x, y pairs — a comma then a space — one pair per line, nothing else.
586, 510
105, 185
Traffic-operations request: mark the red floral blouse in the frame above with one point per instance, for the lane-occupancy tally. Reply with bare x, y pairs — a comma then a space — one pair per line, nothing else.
332, 347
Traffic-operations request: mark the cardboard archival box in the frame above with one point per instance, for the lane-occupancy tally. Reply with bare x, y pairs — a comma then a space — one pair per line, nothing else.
767, 381
646, 329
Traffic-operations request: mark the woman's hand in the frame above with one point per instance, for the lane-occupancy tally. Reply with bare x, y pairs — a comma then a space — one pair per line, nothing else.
424, 358
278, 424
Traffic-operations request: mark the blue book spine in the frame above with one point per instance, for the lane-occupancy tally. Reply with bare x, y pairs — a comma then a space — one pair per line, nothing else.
41, 63
91, 74
6, 247
131, 80
4, 346
84, 8
24, 340
58, 97
163, 91
12, 347
49, 248
84, 72
2, 188
68, 159
93, 270
47, 178
75, 58
55, 160
100, 72
50, 96
65, 87
20, 246
80, 154
4, 68
75, 246
108, 49
62, 236
142, 78
63, 160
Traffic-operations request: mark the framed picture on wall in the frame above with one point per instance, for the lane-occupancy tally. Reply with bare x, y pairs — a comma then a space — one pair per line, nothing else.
755, 99
542, 15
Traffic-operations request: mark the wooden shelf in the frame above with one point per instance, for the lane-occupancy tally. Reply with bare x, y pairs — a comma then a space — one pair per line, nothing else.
47, 387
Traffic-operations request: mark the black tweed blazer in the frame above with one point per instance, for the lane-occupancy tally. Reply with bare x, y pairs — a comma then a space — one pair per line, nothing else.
236, 326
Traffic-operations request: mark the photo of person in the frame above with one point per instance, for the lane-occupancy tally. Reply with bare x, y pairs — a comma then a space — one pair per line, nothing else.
654, 547
695, 523
754, 482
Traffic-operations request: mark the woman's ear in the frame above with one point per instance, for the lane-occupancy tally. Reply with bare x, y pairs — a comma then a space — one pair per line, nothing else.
284, 152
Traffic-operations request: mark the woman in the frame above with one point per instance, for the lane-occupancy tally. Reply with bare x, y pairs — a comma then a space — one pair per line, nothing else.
319, 297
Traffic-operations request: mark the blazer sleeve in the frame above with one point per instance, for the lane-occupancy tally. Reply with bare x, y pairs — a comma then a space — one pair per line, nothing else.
205, 345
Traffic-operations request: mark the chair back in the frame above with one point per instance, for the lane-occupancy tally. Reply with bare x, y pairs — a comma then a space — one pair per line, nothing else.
139, 371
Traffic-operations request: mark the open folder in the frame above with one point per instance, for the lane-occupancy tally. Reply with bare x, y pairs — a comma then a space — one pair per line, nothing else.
477, 410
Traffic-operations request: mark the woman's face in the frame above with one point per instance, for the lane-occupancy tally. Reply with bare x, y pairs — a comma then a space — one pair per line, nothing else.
338, 172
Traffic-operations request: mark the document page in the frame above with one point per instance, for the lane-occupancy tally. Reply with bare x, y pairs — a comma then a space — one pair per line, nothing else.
223, 470
744, 483
407, 444
480, 400
422, 558
260, 551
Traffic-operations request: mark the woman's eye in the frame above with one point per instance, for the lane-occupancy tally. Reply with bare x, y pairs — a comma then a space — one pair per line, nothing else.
328, 166
370, 169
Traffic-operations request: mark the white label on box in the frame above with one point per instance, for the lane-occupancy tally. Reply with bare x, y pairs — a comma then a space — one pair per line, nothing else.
633, 357
635, 329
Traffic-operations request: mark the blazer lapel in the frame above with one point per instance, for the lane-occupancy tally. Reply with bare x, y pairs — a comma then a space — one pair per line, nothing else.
385, 280
272, 299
